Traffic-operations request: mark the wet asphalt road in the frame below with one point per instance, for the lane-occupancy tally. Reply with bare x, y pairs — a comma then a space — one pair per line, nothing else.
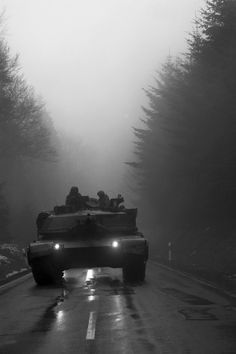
95, 312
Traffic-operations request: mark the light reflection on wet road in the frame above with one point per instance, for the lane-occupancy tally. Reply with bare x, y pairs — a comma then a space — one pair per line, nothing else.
96, 312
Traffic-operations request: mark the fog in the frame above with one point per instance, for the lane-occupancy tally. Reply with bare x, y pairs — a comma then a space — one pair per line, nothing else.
89, 60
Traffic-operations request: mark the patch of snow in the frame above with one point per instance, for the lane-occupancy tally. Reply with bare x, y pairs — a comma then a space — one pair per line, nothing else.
4, 259
12, 273
15, 272
10, 247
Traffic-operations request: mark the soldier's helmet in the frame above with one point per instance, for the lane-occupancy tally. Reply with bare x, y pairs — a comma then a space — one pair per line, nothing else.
101, 193
74, 190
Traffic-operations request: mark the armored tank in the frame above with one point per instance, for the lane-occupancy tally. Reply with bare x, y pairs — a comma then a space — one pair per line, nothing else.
86, 238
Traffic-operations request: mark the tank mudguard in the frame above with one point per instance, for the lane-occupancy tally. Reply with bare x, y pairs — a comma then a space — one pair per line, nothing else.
37, 250
136, 247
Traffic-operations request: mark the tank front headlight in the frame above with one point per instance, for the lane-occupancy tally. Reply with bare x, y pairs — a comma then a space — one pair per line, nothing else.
115, 244
57, 246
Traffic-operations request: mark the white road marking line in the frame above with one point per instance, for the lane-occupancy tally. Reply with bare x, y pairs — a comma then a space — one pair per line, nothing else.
91, 326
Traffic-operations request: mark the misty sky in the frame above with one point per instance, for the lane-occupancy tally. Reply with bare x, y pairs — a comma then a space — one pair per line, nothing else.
90, 59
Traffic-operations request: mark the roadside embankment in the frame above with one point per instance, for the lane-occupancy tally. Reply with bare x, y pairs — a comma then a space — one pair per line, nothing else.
12, 262
207, 252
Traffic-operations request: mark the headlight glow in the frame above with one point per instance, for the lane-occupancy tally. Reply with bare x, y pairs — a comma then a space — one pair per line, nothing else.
115, 244
57, 246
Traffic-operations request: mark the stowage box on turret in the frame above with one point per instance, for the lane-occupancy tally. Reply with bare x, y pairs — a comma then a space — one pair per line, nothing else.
87, 237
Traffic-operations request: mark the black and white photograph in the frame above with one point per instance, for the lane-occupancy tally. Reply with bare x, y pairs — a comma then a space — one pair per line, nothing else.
118, 176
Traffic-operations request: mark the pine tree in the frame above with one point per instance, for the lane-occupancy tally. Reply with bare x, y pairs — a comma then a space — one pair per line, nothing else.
187, 152
23, 131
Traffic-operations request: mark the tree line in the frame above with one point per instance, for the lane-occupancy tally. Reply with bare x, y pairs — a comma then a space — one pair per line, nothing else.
186, 150
26, 129
37, 163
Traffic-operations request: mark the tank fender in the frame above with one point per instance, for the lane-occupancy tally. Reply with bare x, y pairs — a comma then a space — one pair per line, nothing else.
138, 247
36, 250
